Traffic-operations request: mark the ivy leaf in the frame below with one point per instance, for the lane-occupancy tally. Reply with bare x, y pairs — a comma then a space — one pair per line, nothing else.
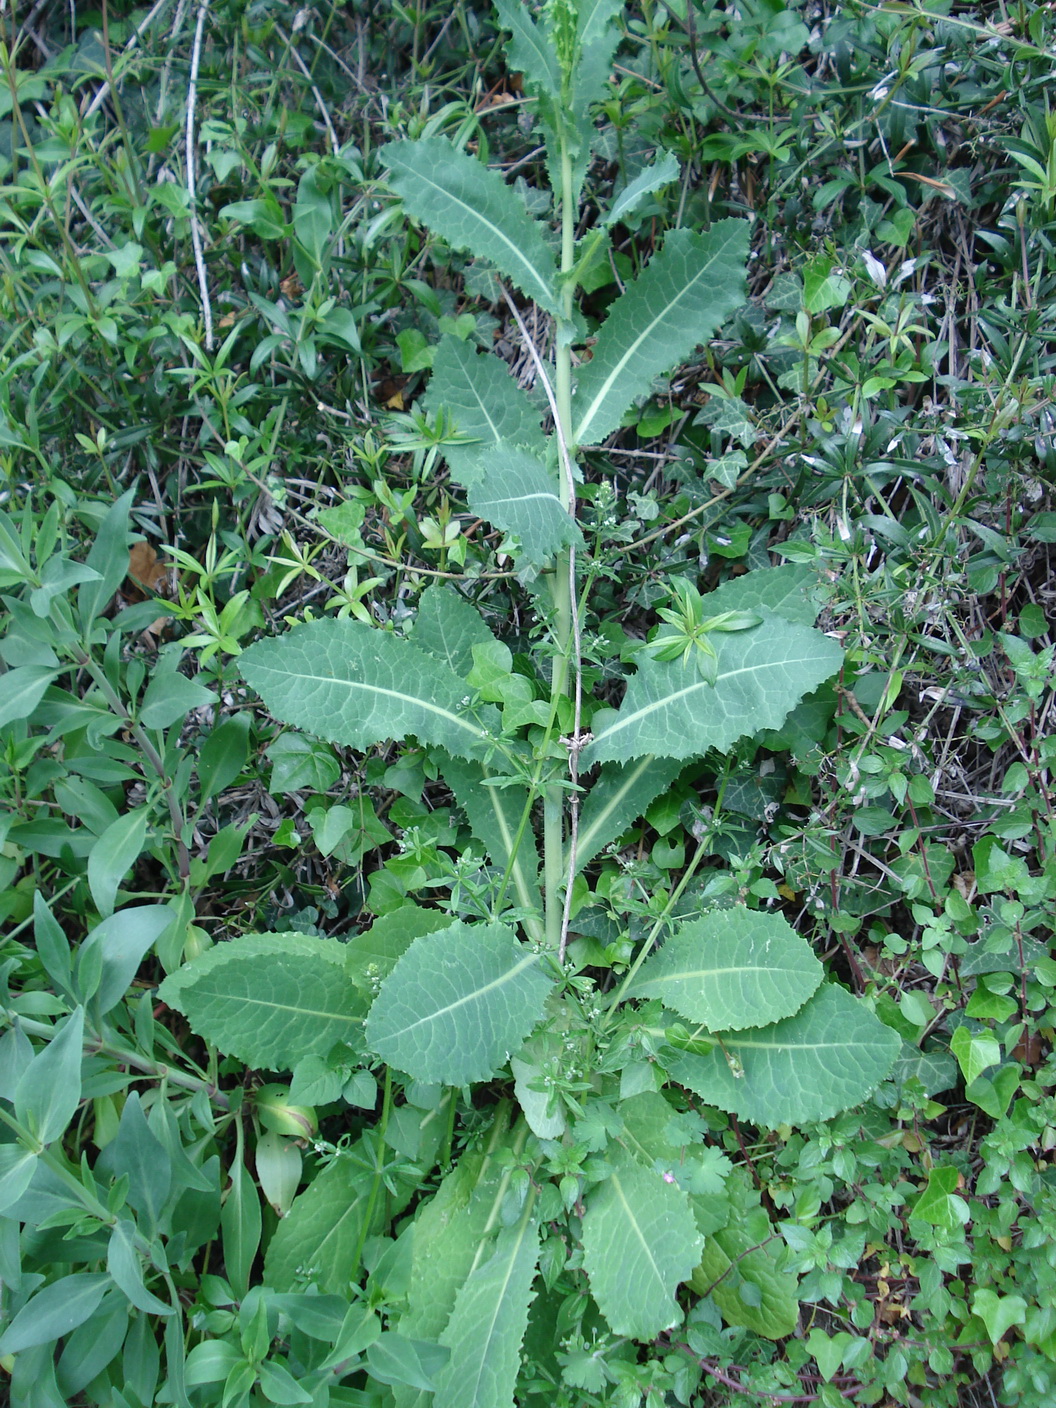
472, 208
730, 969
998, 1313
514, 490
671, 711
639, 1243
485, 402
457, 1004
828, 1057
487, 1325
678, 302
353, 684
269, 999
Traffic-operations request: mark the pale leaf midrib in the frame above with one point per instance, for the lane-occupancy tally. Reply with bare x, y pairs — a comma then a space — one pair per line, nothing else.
474, 996
412, 699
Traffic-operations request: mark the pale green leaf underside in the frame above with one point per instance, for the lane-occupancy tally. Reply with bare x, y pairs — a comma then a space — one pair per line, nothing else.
472, 208
319, 1237
517, 493
447, 627
487, 406
762, 674
682, 297
828, 1057
487, 1325
618, 798
791, 591
639, 1243
352, 684
731, 969
457, 1004
269, 999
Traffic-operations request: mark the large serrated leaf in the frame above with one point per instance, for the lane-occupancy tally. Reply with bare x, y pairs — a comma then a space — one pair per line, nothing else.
529, 50
495, 815
319, 1237
671, 711
447, 628
487, 1325
639, 1243
619, 797
682, 297
477, 391
792, 591
829, 1057
457, 1004
517, 493
350, 683
269, 999
731, 969
472, 208
374, 953
743, 1269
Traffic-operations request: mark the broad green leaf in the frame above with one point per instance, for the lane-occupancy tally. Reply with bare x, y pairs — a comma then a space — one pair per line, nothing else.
513, 489
998, 1313
170, 696
529, 50
49, 1091
941, 1204
678, 302
17, 1167
976, 1052
457, 1003
114, 855
320, 1237
660, 1139
617, 799
240, 1225
495, 815
671, 711
487, 1325
223, 755
639, 1243
476, 390
109, 557
730, 969
124, 940
405, 1363
123, 1264
21, 690
472, 208
447, 627
269, 999
353, 684
743, 1269
136, 1153
651, 178
55, 1310
828, 1057
373, 954
792, 591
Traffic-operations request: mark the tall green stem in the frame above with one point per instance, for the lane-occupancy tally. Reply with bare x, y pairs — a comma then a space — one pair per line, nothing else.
560, 578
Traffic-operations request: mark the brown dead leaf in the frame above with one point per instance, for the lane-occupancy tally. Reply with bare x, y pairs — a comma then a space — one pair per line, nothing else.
145, 569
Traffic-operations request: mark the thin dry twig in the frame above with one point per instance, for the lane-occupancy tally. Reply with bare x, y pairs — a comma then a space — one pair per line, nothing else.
196, 229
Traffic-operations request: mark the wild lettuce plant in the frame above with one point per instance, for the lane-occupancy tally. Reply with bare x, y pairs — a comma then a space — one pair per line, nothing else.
581, 1153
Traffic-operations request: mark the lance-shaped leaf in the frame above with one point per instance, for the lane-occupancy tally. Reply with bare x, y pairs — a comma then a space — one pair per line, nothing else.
457, 1004
447, 628
269, 999
487, 1325
828, 1057
352, 684
319, 1237
730, 969
475, 390
639, 1243
682, 297
661, 173
762, 674
496, 815
472, 208
513, 489
529, 50
618, 798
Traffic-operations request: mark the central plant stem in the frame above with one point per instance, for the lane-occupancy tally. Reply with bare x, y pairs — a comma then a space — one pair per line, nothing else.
561, 577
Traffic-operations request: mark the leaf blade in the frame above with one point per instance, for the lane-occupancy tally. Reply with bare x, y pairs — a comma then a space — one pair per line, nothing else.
517, 494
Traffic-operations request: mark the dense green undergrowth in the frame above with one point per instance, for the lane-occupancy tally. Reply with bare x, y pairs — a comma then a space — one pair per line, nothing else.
527, 848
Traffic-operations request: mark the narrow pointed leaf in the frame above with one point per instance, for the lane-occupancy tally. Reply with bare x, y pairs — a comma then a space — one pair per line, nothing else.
529, 51
517, 493
730, 969
22, 689
618, 798
762, 674
639, 1243
487, 1325
49, 1090
55, 1310
447, 628
457, 1004
472, 208
662, 172
319, 1237
269, 999
683, 296
352, 684
829, 1057
476, 390
495, 815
